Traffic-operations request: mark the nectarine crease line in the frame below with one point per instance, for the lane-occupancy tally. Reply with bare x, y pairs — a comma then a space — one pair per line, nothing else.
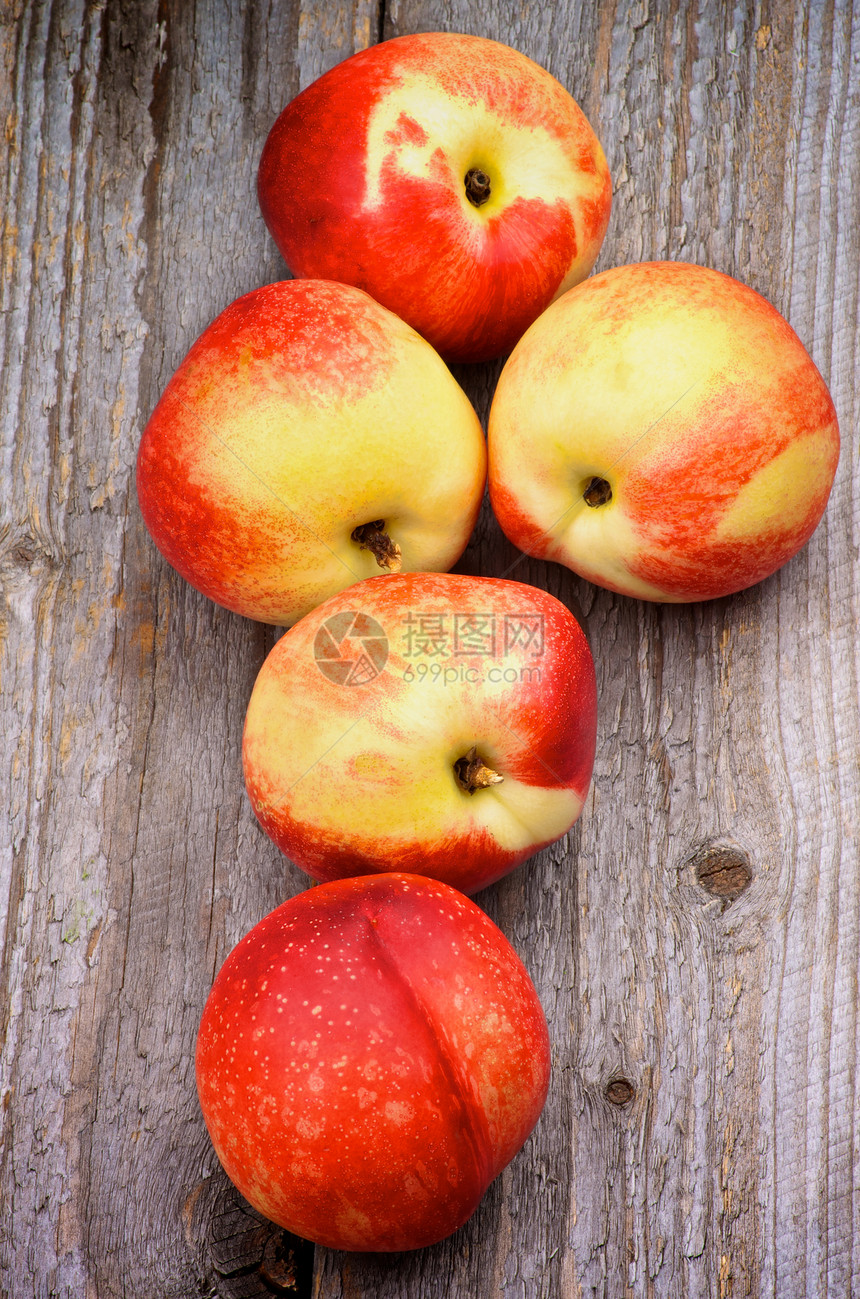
263, 483
473, 1119
580, 500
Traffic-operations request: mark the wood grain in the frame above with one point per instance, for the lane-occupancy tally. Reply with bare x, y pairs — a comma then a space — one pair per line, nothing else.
130, 862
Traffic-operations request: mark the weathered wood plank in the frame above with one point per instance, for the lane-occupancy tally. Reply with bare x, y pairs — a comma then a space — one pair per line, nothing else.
133, 146
130, 861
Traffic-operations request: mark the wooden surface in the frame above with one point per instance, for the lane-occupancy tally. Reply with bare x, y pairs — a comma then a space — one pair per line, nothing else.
728, 739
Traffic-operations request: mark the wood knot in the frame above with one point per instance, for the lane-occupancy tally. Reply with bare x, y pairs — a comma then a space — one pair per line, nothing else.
240, 1251
28, 553
619, 1092
722, 871
281, 1269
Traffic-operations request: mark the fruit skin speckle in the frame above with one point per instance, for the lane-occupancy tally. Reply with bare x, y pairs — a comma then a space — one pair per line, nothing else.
372, 1054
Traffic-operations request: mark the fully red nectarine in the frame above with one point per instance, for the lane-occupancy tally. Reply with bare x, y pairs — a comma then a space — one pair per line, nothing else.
371, 1056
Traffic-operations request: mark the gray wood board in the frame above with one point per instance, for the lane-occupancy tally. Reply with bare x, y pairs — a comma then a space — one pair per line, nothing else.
130, 862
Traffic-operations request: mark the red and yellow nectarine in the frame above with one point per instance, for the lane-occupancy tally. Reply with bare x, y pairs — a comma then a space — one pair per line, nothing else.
430, 722
308, 439
662, 431
450, 176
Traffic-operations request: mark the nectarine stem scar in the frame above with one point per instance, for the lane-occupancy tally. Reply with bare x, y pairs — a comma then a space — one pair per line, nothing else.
477, 184
472, 774
373, 537
527, 554
598, 492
